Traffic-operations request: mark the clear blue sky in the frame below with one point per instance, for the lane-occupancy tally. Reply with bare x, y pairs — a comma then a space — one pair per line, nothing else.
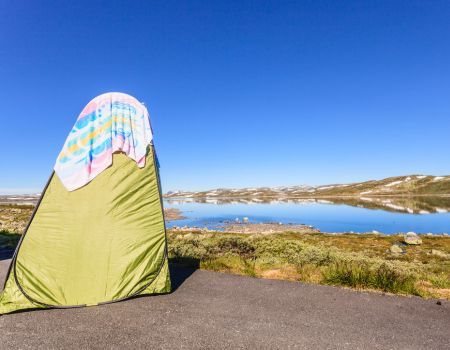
240, 93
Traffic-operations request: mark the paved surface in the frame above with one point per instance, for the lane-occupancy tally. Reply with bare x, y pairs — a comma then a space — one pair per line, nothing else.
209, 310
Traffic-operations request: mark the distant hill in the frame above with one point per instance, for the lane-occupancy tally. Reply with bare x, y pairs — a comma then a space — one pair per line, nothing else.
412, 185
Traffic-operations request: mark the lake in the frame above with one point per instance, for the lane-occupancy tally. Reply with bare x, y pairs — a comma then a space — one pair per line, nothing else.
385, 215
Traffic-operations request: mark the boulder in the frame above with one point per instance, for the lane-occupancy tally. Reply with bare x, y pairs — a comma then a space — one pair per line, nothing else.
396, 249
412, 238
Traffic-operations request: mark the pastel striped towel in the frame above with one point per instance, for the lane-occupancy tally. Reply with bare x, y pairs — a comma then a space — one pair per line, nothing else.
112, 122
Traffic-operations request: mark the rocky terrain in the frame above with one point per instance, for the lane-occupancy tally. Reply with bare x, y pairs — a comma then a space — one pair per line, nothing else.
264, 228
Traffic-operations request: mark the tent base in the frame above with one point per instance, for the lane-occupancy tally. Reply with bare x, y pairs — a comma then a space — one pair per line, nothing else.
12, 299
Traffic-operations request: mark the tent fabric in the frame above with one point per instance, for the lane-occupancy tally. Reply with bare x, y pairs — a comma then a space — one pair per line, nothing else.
101, 243
109, 123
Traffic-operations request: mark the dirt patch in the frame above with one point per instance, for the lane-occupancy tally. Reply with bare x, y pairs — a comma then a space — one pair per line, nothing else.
288, 273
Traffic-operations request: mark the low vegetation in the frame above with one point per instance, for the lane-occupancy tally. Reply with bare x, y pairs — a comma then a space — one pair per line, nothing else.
14, 217
351, 260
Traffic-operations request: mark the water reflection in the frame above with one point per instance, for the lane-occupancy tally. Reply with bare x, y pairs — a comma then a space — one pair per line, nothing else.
382, 214
407, 205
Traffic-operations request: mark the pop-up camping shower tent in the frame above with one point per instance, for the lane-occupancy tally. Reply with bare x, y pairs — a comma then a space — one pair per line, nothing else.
97, 234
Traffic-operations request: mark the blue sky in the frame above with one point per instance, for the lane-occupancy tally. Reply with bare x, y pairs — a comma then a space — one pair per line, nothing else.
240, 93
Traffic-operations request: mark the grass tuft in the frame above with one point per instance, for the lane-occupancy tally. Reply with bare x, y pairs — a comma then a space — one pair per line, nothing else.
386, 277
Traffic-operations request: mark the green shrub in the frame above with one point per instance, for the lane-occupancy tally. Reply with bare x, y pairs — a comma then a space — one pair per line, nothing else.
236, 246
292, 252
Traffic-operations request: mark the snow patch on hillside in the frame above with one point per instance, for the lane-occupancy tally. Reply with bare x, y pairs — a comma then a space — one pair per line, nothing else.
393, 183
325, 187
366, 192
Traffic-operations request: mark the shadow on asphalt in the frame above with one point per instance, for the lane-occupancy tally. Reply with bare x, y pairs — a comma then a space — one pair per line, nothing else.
8, 243
180, 272
6, 254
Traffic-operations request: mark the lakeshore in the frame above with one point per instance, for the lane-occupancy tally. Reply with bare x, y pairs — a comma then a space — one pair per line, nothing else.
370, 261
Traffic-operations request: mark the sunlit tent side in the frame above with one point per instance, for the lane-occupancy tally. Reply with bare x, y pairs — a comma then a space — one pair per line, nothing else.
97, 234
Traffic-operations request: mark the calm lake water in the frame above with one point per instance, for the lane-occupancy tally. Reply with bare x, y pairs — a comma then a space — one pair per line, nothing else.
387, 216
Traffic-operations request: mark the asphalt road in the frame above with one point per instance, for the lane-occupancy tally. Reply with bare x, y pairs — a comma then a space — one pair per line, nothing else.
210, 310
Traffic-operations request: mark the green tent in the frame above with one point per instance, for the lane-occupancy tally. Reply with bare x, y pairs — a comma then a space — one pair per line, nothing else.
102, 240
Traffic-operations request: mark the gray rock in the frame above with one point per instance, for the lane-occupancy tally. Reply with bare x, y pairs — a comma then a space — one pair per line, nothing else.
396, 249
412, 238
